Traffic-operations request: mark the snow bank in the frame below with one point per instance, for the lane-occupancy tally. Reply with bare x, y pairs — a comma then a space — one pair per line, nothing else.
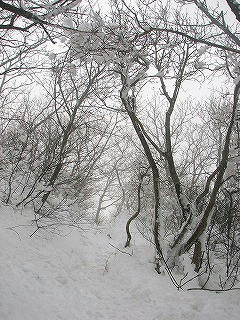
80, 276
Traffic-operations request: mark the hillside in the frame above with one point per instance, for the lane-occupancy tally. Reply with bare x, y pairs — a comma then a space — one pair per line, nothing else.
79, 275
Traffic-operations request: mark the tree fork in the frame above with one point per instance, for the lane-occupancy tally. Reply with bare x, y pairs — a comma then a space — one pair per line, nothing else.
152, 165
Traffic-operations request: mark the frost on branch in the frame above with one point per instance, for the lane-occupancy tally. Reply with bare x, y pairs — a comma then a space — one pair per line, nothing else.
52, 56
91, 41
159, 74
199, 64
68, 22
54, 10
99, 41
202, 50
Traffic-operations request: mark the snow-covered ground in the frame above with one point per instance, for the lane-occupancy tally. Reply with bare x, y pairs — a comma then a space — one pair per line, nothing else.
79, 276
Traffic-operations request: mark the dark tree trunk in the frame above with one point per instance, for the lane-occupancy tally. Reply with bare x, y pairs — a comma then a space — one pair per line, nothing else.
130, 106
129, 237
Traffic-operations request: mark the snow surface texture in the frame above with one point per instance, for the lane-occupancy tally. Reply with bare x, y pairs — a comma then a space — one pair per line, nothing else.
79, 276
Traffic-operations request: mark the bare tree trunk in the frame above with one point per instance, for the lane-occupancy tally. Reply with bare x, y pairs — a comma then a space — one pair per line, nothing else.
197, 256
130, 106
129, 237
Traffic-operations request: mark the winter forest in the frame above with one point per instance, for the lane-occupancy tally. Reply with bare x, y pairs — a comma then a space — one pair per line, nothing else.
119, 159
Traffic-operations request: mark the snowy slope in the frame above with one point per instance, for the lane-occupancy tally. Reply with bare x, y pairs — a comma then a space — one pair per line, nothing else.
80, 276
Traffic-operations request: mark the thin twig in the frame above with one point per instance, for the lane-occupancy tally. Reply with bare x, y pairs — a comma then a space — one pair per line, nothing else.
214, 290
130, 254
